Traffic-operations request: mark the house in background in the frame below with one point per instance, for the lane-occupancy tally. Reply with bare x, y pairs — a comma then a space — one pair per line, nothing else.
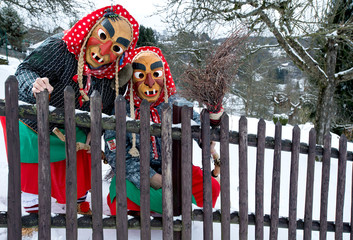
36, 36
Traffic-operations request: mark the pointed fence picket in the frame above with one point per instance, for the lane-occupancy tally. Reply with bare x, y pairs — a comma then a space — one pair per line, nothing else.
176, 169
71, 168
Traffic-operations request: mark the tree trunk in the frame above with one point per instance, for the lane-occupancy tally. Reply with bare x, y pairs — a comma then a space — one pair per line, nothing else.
327, 87
323, 112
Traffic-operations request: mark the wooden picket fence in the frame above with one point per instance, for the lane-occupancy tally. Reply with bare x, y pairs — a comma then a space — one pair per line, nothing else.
14, 221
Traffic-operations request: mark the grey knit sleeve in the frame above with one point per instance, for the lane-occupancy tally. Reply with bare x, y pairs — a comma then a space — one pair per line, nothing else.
47, 60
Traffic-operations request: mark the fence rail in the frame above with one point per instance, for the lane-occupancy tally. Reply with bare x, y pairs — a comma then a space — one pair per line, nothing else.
13, 220
82, 119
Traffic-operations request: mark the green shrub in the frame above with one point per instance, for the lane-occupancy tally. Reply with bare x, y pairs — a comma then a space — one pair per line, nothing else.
282, 118
3, 62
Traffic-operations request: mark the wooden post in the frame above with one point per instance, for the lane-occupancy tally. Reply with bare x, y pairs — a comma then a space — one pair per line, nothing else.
96, 165
276, 174
44, 175
121, 213
14, 224
293, 190
207, 184
243, 178
341, 184
145, 145
308, 216
186, 175
176, 163
225, 177
260, 159
71, 164
325, 179
167, 188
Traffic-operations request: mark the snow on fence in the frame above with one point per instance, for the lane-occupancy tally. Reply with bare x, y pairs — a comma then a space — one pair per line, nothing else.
181, 201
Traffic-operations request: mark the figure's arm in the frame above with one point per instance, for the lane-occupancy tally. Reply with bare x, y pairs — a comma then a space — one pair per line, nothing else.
217, 162
40, 68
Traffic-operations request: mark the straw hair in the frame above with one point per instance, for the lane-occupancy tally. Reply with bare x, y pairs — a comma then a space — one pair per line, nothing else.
133, 151
117, 78
81, 62
165, 88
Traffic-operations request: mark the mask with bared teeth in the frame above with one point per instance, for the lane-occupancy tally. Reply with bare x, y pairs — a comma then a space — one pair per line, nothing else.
148, 75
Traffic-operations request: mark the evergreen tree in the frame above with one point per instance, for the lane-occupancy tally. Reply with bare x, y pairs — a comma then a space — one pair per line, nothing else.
186, 48
147, 37
13, 25
344, 92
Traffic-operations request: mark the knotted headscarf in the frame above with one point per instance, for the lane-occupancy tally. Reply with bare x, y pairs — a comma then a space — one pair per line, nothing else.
76, 39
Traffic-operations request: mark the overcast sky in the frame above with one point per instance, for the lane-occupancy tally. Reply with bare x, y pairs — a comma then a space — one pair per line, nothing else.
144, 11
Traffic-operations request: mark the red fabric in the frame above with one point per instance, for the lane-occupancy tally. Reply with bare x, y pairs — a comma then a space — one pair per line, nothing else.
84, 207
3, 124
75, 37
29, 177
197, 187
130, 205
197, 192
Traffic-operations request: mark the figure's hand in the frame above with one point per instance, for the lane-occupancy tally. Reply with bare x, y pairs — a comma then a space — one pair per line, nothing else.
156, 181
40, 85
217, 163
213, 151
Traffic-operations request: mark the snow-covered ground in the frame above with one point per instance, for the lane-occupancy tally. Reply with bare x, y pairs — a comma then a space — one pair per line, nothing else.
197, 227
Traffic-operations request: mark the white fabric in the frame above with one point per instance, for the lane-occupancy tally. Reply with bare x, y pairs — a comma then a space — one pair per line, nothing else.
29, 199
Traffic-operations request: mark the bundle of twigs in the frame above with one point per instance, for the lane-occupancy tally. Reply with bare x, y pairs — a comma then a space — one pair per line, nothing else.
209, 85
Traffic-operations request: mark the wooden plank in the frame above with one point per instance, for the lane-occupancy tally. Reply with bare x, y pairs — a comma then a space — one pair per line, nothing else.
341, 184
96, 165
71, 164
243, 178
186, 169
167, 188
225, 177
144, 169
44, 175
14, 177
351, 233
177, 201
259, 191
293, 189
276, 173
308, 215
121, 201
325, 179
207, 185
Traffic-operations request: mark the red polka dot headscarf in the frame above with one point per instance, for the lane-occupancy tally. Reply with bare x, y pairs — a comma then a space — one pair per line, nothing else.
169, 85
78, 35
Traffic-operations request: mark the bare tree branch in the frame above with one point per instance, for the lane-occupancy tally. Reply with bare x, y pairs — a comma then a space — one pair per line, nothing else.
49, 7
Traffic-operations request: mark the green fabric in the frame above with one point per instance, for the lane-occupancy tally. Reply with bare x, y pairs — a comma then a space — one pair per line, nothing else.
133, 193
29, 144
